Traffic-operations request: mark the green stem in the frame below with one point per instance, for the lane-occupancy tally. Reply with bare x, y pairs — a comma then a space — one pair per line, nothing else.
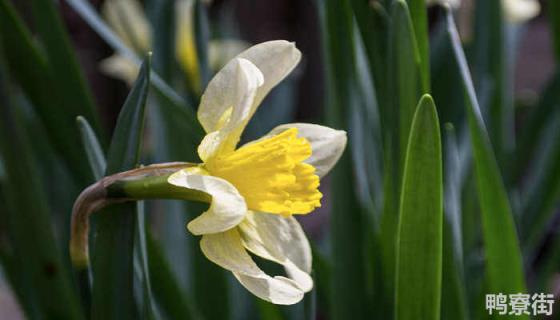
153, 187
138, 184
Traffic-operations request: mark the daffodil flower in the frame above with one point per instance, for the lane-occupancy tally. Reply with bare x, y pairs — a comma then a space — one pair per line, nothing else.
128, 20
254, 189
257, 187
515, 11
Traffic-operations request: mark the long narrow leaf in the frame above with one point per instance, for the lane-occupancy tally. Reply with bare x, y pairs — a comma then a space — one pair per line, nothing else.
167, 291
47, 279
503, 257
115, 231
93, 149
349, 265
419, 257
490, 63
419, 16
149, 308
29, 67
62, 60
373, 25
544, 194
404, 73
405, 88
453, 291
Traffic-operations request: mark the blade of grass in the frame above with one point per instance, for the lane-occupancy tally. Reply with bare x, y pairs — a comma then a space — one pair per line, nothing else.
347, 218
503, 258
115, 227
419, 246
29, 67
47, 280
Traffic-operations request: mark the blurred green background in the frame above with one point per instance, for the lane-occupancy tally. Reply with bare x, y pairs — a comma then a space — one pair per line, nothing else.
473, 211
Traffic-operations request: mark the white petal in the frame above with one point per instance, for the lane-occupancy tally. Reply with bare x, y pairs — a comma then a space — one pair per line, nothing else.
239, 82
226, 250
327, 144
279, 239
127, 19
518, 11
120, 67
275, 59
228, 208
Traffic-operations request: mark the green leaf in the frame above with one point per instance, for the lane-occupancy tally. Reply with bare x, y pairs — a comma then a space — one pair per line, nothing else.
404, 74
419, 16
62, 61
372, 22
445, 76
504, 267
124, 152
453, 291
347, 217
405, 88
322, 280
210, 283
269, 311
149, 307
166, 289
543, 195
93, 148
490, 61
32, 72
46, 282
162, 15
115, 229
419, 246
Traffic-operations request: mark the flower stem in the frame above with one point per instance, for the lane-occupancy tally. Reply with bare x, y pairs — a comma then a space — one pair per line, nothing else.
144, 183
155, 187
